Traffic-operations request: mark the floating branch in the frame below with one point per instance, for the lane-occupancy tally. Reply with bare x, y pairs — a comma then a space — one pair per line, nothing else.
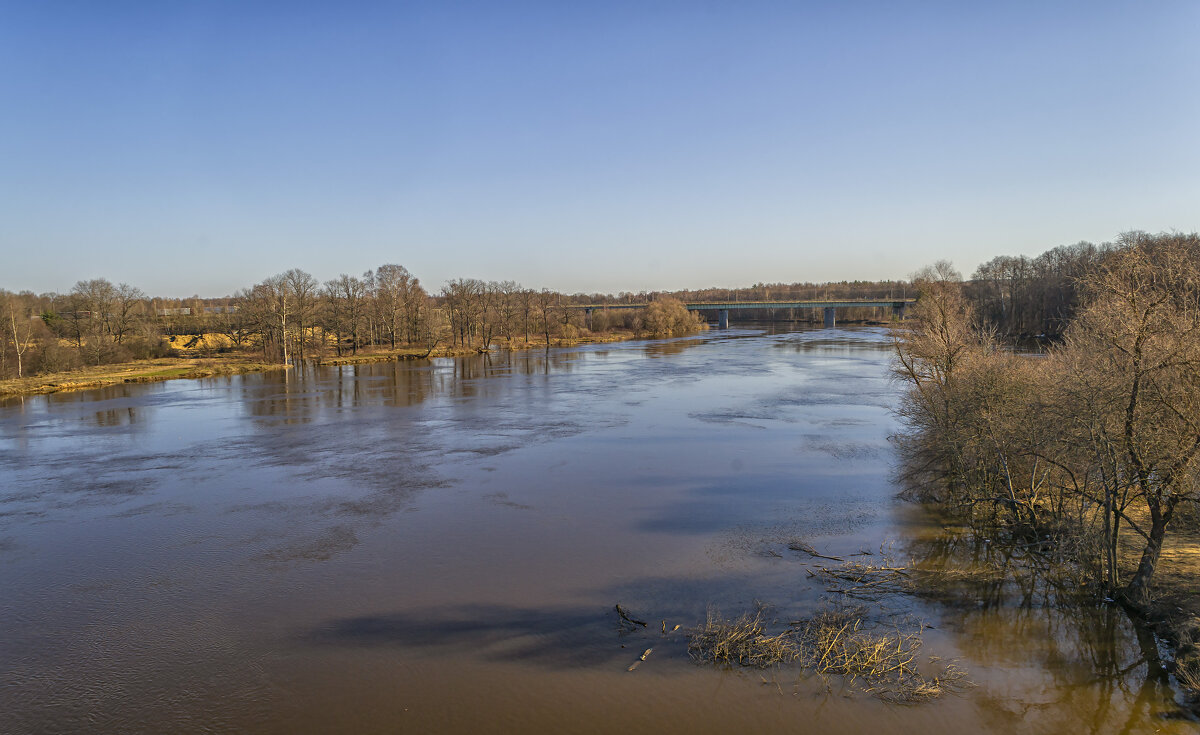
801, 546
625, 616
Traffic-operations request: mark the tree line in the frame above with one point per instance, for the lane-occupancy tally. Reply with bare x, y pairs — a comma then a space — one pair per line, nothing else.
1023, 297
1090, 450
293, 316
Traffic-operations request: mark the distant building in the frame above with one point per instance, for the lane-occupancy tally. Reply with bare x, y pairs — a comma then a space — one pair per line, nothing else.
182, 311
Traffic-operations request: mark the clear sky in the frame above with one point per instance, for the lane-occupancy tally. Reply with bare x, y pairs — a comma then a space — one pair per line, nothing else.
199, 147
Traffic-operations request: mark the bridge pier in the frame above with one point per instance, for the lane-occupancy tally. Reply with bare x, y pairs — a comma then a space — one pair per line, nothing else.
587, 316
830, 320
723, 319
898, 312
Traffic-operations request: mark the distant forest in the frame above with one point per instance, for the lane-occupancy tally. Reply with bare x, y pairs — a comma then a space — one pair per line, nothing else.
294, 315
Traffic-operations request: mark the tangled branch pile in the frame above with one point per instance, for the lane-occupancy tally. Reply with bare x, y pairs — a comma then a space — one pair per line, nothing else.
857, 578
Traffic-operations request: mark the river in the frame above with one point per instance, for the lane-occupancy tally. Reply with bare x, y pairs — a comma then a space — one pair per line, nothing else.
438, 546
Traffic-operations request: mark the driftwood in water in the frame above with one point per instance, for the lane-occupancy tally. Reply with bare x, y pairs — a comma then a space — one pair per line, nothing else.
638, 663
801, 546
625, 616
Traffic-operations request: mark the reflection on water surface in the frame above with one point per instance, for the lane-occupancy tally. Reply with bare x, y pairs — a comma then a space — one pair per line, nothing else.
438, 546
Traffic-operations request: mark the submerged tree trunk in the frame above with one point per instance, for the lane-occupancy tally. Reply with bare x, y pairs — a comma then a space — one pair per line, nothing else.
1137, 592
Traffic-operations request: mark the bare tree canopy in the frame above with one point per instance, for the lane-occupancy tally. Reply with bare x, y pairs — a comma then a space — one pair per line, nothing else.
1096, 443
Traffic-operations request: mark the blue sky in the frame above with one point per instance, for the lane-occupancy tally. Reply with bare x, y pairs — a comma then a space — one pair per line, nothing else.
199, 147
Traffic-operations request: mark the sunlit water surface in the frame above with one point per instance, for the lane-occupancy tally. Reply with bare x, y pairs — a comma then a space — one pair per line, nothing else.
438, 547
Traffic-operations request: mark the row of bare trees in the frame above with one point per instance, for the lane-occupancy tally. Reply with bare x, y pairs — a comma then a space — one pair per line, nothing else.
291, 315
1095, 444
1020, 296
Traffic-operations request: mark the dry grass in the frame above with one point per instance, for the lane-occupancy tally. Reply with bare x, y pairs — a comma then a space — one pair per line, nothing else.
741, 642
138, 371
1184, 630
838, 642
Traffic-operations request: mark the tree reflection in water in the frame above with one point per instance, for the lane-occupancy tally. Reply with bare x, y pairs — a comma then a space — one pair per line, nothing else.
1088, 662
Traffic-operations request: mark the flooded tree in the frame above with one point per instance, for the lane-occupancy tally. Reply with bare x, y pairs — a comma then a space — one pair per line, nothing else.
1096, 444
668, 317
461, 299
303, 289
343, 310
1132, 362
280, 307
397, 294
545, 304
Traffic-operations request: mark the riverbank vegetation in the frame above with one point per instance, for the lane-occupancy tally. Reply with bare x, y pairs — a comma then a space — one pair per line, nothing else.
49, 341
1089, 451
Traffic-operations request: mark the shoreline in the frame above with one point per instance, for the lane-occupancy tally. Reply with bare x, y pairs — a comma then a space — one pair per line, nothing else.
139, 371
418, 354
182, 367
174, 368
155, 370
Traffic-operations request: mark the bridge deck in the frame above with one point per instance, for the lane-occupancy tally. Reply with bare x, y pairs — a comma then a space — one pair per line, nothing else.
731, 305
720, 305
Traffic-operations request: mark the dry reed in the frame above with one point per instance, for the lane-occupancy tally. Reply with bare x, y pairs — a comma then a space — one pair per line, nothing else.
838, 642
741, 642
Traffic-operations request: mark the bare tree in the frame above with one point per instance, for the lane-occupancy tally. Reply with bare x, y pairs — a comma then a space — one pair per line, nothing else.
127, 305
462, 299
545, 303
273, 305
1105, 431
345, 307
21, 330
94, 303
394, 291
508, 307
1133, 357
233, 321
303, 290
525, 307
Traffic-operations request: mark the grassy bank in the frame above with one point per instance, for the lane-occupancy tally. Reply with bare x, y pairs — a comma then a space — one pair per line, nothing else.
138, 371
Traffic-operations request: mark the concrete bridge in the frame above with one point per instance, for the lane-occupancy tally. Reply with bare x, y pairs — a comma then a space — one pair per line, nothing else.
724, 307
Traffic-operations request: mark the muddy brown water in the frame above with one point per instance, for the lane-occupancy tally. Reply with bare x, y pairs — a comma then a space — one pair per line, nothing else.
438, 546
